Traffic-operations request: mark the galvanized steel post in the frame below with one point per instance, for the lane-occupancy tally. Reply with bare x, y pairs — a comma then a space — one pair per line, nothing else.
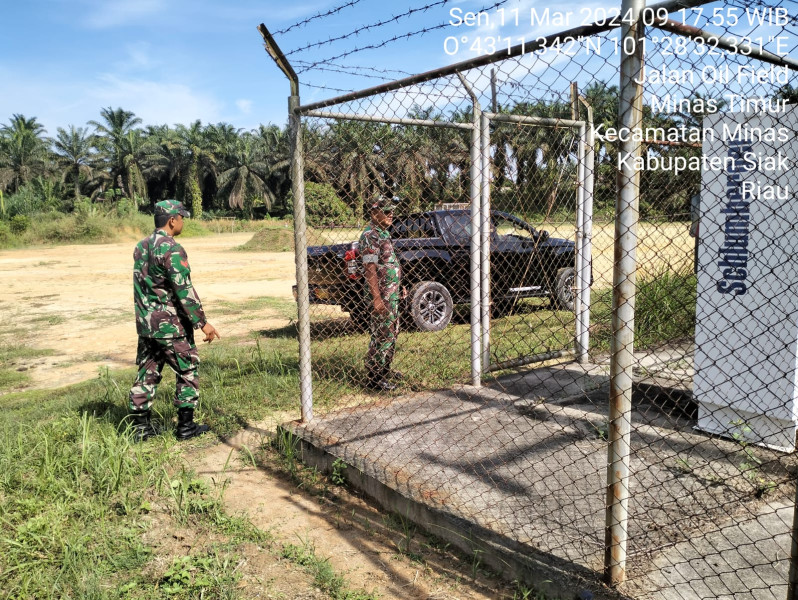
300, 229
585, 234
301, 258
475, 254
630, 115
580, 281
485, 239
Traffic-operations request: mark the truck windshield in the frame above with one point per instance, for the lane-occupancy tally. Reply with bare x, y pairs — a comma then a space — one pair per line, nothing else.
510, 228
459, 226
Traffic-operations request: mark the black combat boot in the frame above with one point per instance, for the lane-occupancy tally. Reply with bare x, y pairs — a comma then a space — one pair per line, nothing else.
379, 380
141, 426
186, 427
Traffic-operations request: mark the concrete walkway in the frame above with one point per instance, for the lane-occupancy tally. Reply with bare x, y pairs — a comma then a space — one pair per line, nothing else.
515, 474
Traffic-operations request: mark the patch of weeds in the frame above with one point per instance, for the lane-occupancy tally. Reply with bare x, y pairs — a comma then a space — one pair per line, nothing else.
522, 592
104, 318
270, 239
214, 575
49, 319
750, 464
476, 562
684, 466
11, 379
287, 445
11, 352
408, 529
324, 575
338, 475
11, 374
664, 310
601, 429
251, 306
437, 544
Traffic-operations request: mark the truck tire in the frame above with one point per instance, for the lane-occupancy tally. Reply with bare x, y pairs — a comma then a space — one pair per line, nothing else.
564, 289
431, 306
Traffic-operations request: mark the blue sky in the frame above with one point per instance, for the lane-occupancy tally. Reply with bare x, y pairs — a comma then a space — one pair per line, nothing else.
176, 61
173, 61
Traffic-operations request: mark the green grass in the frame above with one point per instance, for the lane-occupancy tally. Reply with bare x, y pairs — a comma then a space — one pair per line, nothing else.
76, 496
49, 319
250, 307
664, 311
100, 227
432, 360
10, 357
270, 239
324, 576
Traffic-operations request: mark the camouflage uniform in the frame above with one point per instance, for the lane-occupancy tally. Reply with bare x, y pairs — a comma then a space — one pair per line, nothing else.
376, 248
168, 310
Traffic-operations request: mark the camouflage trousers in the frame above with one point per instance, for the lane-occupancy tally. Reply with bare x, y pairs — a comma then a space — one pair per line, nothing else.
384, 331
151, 356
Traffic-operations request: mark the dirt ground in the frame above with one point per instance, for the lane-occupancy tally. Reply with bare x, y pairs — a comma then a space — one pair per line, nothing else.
76, 301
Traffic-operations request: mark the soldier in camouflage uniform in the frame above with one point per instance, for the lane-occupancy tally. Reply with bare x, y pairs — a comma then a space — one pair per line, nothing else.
168, 310
383, 293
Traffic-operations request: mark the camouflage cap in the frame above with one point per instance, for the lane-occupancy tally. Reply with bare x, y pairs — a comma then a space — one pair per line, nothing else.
171, 208
384, 203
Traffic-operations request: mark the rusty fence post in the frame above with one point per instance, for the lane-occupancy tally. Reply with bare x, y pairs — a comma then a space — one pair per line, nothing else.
300, 226
623, 298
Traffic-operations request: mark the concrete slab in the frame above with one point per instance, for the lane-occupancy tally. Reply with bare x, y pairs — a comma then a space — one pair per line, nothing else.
516, 471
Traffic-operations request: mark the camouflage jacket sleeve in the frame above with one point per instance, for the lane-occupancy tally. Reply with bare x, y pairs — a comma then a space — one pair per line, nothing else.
369, 251
179, 275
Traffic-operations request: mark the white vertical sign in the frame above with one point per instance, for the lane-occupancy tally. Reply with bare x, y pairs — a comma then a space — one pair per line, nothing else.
746, 357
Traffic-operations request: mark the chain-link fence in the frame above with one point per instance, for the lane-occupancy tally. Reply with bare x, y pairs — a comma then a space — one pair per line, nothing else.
594, 367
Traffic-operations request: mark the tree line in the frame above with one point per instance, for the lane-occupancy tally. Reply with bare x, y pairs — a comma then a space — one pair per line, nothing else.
219, 168
208, 167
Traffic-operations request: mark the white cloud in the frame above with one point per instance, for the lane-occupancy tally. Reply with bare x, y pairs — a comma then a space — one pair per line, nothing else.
112, 13
245, 106
156, 102
138, 57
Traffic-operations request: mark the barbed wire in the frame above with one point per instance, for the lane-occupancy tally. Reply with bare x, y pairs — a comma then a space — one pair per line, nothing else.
325, 87
357, 67
353, 73
367, 27
332, 11
389, 41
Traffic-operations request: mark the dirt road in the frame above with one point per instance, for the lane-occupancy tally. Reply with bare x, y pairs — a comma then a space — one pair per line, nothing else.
78, 300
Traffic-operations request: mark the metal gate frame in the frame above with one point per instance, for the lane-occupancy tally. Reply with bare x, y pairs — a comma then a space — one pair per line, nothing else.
480, 223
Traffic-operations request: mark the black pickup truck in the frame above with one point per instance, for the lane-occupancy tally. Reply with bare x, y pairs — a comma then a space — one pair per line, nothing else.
434, 251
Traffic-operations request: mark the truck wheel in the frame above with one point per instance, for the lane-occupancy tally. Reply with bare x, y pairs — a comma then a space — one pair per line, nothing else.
431, 306
564, 283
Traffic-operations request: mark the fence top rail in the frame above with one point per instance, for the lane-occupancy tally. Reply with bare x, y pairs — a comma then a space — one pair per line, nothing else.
531, 120
517, 50
381, 119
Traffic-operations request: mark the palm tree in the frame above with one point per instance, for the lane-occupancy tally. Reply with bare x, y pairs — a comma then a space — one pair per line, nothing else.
247, 176
275, 146
197, 159
122, 148
355, 154
407, 155
23, 152
74, 155
160, 163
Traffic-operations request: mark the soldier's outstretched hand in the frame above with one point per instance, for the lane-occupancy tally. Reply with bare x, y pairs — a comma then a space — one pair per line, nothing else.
210, 333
